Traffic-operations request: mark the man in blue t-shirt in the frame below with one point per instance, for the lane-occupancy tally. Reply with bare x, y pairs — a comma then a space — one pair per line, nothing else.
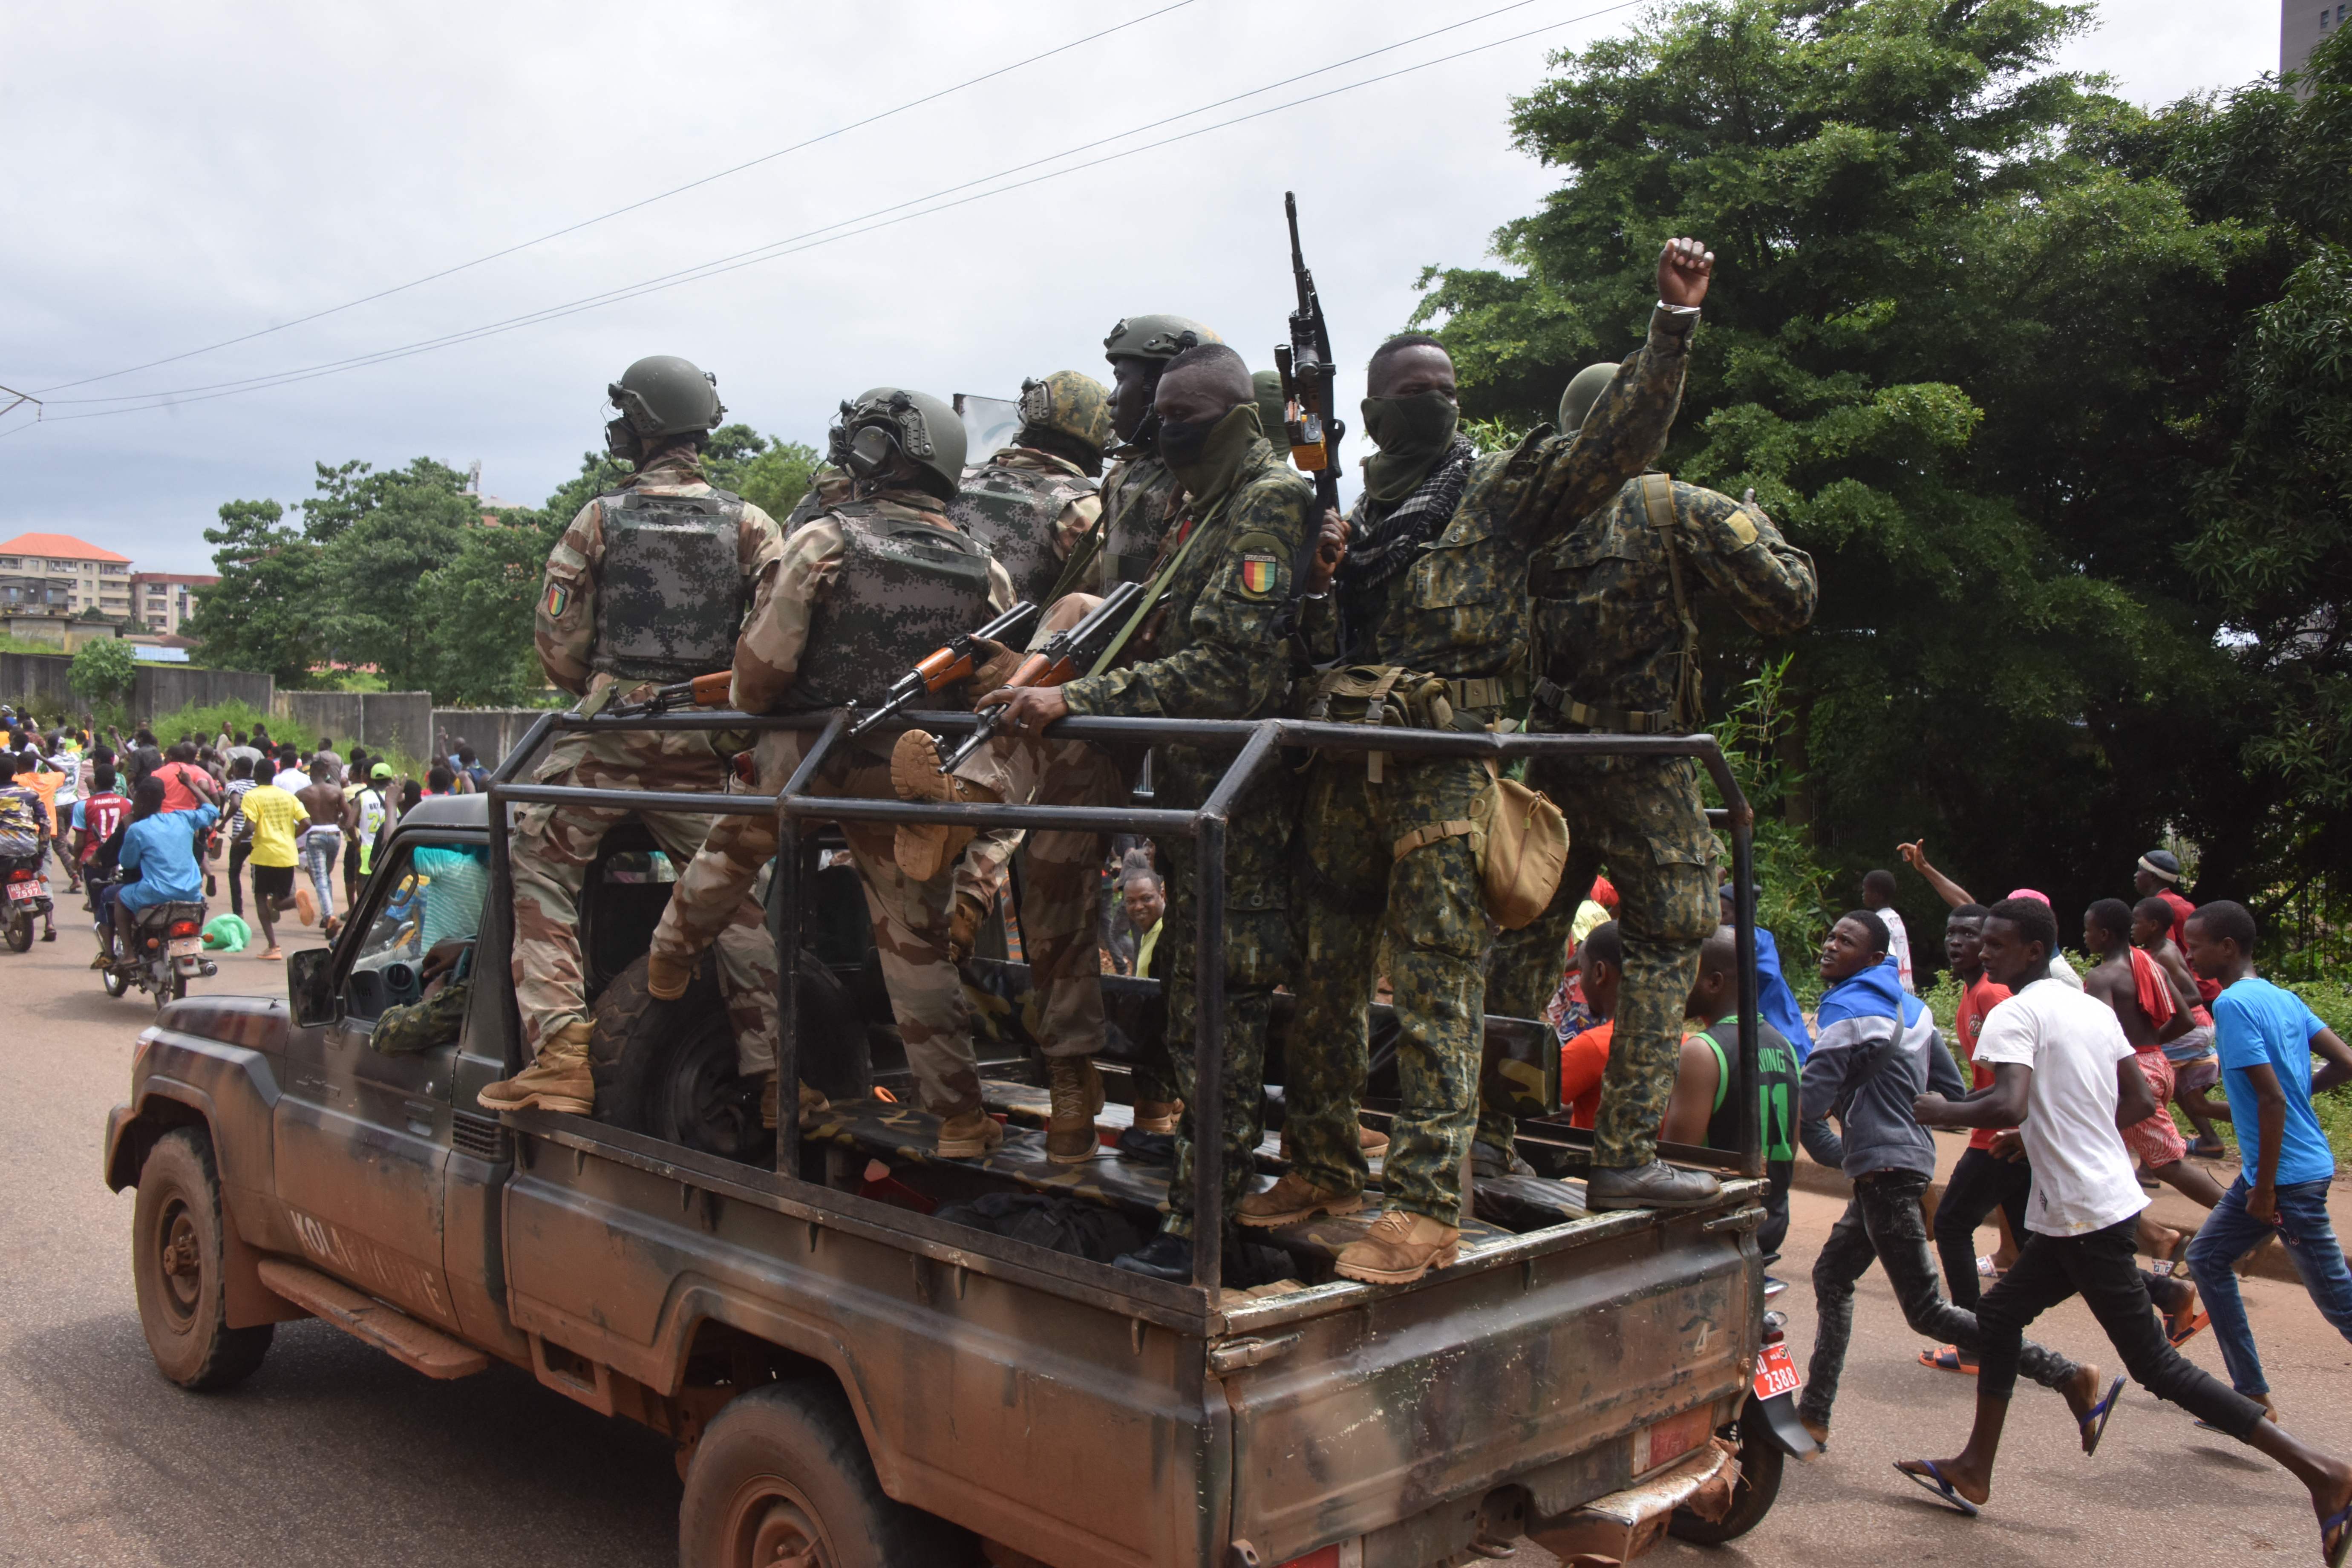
2267, 1037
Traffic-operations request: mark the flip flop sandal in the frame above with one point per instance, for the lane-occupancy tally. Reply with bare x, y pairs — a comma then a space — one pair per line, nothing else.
2095, 1424
1948, 1359
1928, 1477
2201, 1151
2336, 1536
2181, 1333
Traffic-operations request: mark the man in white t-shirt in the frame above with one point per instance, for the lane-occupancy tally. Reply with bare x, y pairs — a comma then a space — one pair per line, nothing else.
1878, 898
2063, 1074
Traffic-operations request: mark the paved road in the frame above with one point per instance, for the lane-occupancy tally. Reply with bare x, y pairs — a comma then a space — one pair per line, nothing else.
333, 1453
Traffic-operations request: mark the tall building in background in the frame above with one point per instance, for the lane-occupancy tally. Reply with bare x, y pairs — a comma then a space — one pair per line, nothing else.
74, 571
2302, 24
162, 600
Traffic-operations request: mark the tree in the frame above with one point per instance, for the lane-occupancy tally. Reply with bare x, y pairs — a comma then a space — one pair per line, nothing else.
483, 603
1966, 341
103, 676
266, 610
382, 538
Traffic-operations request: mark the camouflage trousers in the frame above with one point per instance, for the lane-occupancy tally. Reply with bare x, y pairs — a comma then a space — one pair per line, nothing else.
553, 846
1061, 879
910, 918
1257, 958
1437, 930
1643, 819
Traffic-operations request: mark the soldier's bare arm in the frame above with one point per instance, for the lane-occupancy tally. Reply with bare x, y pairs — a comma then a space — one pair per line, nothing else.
564, 626
1739, 552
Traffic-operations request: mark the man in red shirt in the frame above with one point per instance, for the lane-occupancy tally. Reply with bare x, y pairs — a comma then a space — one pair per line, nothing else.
2158, 877
1601, 964
185, 785
1982, 1181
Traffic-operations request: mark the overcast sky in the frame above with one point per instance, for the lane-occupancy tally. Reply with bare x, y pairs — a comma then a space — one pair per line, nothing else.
180, 175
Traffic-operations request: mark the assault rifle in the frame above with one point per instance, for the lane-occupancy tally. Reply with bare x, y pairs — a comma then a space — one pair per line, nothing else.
1066, 654
1308, 390
950, 662
703, 691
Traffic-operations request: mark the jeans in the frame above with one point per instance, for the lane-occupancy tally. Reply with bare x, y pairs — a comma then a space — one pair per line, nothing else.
238, 849
2101, 1265
318, 864
1884, 1222
1981, 1184
2228, 1233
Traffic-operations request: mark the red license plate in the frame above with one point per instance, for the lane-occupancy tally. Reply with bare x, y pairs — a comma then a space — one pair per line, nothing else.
21, 890
1775, 1373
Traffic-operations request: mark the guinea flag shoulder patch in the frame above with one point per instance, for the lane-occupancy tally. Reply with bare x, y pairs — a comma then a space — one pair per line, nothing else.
1262, 567
558, 600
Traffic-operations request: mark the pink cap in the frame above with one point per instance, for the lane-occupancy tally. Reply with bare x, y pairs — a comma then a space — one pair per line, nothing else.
2042, 899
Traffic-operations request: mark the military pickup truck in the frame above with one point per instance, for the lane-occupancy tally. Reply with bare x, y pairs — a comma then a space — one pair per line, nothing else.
863, 1362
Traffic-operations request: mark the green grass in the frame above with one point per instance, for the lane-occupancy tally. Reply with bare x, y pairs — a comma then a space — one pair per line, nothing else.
212, 719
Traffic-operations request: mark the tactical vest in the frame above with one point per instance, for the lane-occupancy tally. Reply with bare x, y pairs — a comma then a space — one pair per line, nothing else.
1013, 510
904, 588
670, 593
1139, 498
1462, 611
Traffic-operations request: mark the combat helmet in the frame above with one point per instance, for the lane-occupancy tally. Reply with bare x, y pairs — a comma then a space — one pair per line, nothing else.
663, 395
883, 424
1156, 337
1066, 404
1583, 393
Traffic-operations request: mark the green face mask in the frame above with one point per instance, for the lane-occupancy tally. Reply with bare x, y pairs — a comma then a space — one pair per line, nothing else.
1207, 465
1414, 433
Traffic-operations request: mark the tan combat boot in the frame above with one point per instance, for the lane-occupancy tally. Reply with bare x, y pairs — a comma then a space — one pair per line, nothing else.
558, 1079
1078, 1091
1401, 1247
923, 851
1292, 1199
969, 1134
1158, 1115
667, 978
813, 1105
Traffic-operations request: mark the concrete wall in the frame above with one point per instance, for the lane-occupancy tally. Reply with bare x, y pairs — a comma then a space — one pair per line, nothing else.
46, 679
380, 720
492, 731
39, 678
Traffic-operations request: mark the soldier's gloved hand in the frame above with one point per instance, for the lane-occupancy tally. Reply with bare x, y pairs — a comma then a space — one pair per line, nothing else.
993, 664
963, 926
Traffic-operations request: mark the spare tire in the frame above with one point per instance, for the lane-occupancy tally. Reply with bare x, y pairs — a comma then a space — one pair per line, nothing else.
668, 1068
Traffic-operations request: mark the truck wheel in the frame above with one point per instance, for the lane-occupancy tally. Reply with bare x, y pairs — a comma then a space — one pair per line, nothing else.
782, 1476
176, 1267
1761, 1461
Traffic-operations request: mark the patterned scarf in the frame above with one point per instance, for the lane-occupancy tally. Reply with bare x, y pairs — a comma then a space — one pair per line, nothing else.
1381, 544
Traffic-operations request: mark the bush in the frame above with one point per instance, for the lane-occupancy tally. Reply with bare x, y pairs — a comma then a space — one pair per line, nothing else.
103, 674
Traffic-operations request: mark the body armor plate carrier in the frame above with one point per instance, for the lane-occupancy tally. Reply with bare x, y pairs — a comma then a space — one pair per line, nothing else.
671, 595
904, 588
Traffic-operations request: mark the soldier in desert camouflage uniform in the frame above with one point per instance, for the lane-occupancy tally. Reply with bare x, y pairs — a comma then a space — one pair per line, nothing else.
1434, 628
1212, 646
1617, 650
647, 586
859, 593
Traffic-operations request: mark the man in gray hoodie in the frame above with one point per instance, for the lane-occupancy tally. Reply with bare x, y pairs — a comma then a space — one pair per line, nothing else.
1876, 1050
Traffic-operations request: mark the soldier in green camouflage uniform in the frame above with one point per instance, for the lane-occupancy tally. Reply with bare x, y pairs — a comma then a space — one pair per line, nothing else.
1432, 630
857, 596
1212, 646
1139, 496
647, 586
1619, 652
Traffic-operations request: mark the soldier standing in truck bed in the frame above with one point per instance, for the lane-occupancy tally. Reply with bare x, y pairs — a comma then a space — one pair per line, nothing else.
859, 593
1617, 640
1139, 496
646, 586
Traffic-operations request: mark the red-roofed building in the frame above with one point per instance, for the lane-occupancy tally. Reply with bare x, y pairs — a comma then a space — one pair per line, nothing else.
75, 569
162, 600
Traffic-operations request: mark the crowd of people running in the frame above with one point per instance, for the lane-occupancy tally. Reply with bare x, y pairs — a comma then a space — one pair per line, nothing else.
241, 808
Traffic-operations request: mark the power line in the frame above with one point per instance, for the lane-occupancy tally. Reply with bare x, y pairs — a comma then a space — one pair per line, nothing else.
851, 228
632, 207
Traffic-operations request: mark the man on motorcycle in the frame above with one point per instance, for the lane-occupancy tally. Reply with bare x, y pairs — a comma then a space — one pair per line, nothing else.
159, 848
23, 830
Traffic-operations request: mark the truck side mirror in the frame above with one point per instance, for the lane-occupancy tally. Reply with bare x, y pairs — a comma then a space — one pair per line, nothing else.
309, 987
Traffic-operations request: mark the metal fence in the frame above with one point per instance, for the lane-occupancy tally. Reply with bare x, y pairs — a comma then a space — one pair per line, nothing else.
1257, 745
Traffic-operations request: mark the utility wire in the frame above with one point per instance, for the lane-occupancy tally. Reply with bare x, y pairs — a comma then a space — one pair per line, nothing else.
867, 223
632, 207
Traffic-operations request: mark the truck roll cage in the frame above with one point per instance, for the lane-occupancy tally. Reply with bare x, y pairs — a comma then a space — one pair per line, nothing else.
1257, 744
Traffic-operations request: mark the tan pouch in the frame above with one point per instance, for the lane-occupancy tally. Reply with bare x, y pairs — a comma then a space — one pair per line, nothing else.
1520, 839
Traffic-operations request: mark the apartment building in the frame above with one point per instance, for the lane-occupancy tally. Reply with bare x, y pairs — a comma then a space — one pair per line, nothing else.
162, 600
72, 569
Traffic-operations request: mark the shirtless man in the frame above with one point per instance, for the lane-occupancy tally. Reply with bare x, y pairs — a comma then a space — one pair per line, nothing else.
314, 892
2196, 1066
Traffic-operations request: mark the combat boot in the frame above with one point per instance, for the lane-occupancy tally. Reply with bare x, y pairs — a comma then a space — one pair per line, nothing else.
1292, 1199
1401, 1247
924, 849
558, 1079
813, 1105
1077, 1090
1158, 1115
969, 1134
667, 978
1656, 1186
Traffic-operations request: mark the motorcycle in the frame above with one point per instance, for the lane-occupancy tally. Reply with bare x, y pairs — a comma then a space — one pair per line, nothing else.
28, 899
1768, 1433
167, 950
